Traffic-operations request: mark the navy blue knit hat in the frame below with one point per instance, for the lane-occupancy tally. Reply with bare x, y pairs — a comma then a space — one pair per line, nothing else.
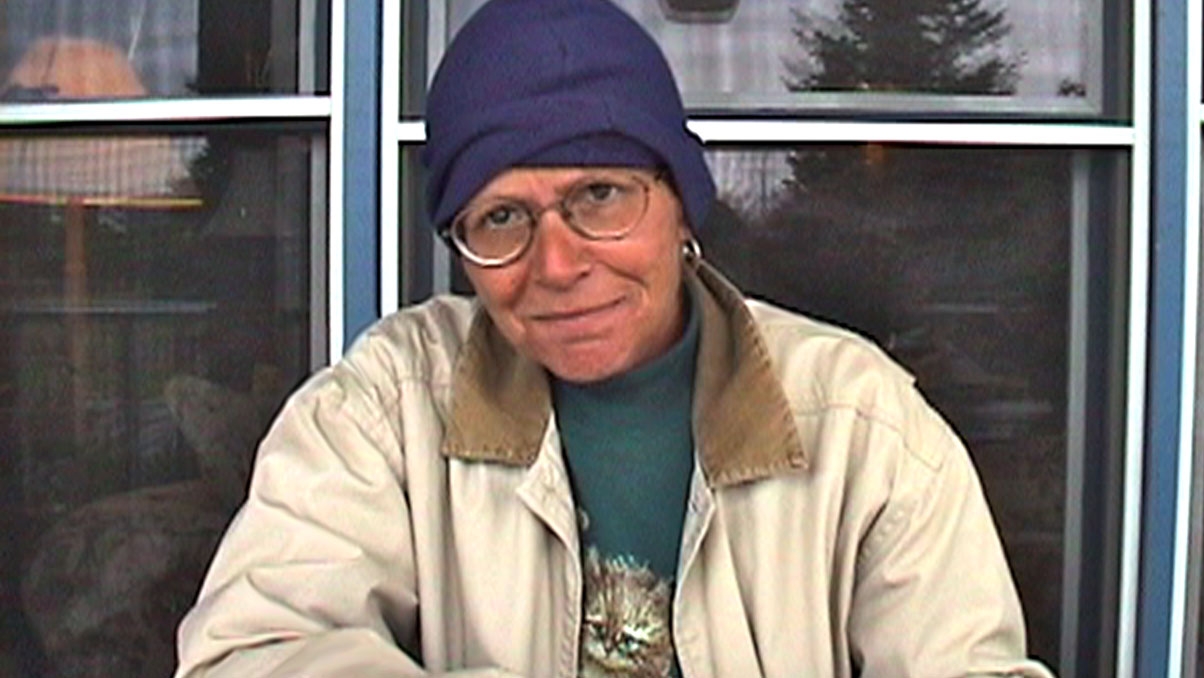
555, 82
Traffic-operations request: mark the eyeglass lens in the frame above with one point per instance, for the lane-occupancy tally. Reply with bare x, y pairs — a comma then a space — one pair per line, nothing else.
597, 207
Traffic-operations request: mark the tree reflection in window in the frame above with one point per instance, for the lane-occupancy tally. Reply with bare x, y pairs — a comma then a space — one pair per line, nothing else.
932, 46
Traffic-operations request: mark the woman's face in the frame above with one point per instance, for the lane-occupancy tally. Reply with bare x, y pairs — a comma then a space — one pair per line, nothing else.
586, 309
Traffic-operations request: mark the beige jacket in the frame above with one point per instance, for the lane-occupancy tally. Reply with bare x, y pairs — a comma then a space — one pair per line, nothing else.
410, 513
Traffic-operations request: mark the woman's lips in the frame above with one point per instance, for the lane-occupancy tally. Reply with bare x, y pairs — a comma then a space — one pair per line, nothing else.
578, 323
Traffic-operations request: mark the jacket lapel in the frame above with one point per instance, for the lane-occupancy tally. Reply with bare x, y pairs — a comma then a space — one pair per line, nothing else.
501, 403
744, 427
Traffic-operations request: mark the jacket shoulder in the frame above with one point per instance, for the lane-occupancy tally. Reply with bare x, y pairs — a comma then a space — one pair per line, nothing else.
419, 342
833, 361
828, 372
417, 345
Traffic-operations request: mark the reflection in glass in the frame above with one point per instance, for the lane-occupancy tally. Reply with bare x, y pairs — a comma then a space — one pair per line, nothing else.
74, 49
1034, 51
154, 309
957, 262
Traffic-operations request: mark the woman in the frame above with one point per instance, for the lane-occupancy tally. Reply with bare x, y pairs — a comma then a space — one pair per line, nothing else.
609, 463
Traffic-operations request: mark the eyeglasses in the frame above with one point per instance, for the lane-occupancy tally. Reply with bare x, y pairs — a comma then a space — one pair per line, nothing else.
605, 205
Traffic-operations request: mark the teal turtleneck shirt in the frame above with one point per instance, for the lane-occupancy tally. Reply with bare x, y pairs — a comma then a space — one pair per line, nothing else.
630, 452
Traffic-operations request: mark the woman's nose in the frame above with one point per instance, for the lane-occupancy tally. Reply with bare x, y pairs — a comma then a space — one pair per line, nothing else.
559, 255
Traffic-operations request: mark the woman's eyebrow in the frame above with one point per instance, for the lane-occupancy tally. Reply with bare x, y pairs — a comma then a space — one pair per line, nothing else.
586, 177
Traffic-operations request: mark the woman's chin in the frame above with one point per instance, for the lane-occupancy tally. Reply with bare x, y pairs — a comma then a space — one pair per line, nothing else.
584, 363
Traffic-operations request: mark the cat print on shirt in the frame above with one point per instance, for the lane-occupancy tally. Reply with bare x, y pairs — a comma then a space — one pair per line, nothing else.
626, 630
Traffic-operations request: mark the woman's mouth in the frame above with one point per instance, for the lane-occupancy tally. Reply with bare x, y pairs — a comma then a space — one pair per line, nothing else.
579, 323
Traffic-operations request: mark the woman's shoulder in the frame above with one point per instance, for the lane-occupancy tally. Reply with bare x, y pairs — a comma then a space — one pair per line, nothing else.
830, 355
444, 317
418, 342
826, 371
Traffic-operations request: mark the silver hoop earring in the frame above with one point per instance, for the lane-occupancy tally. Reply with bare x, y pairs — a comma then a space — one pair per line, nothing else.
691, 251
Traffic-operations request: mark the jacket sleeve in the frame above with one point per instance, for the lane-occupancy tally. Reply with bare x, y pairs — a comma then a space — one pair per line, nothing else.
315, 576
933, 594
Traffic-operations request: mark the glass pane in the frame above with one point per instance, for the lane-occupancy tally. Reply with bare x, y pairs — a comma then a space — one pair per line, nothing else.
1195, 584
420, 249
154, 310
75, 49
963, 264
427, 265
968, 55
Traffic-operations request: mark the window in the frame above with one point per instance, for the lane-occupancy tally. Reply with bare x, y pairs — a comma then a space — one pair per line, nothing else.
160, 292
144, 49
967, 56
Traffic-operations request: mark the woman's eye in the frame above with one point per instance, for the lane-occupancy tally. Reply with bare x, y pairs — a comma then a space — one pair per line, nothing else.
600, 191
501, 216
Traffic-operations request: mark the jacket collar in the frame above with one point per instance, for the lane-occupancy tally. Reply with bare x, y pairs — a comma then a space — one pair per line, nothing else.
743, 426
